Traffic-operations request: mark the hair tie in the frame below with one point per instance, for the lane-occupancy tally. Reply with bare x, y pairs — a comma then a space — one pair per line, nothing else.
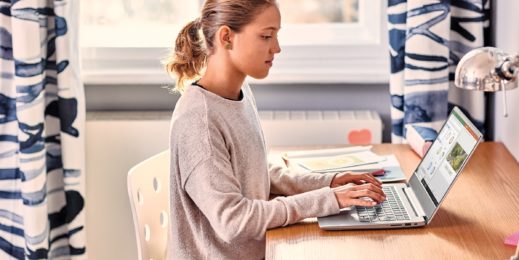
193, 31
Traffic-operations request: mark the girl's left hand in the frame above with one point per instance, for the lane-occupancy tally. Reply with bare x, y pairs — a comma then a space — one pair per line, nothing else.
344, 178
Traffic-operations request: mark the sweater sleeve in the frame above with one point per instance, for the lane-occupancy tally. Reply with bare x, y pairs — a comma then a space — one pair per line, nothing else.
217, 194
284, 181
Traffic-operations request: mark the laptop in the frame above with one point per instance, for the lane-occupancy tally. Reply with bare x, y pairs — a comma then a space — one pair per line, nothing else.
415, 203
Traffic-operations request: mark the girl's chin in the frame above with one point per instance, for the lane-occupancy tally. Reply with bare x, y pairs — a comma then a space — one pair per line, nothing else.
260, 75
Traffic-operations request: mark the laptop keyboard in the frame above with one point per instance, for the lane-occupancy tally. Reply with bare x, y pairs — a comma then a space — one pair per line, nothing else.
391, 209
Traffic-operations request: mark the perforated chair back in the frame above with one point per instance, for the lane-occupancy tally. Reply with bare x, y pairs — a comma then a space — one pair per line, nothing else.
148, 188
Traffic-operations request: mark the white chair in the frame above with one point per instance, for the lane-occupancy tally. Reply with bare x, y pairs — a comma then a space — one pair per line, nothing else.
148, 188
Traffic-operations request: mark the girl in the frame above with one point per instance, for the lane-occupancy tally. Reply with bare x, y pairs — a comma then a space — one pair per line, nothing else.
220, 178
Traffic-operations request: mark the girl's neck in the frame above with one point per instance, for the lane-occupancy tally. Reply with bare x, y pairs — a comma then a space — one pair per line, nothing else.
222, 79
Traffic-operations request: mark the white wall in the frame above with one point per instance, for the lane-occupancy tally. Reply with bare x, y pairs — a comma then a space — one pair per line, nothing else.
507, 38
113, 147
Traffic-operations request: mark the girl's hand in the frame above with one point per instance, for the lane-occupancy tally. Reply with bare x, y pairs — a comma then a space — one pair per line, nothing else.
344, 178
366, 195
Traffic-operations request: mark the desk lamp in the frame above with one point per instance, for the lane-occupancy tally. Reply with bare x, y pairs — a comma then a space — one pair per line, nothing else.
488, 69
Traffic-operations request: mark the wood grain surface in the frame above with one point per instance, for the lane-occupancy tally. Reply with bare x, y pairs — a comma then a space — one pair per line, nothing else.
478, 213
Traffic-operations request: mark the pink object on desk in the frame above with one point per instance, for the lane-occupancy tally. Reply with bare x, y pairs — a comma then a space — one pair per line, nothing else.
378, 172
426, 147
513, 239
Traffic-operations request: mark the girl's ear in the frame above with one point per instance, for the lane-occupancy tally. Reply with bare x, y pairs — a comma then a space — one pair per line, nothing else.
224, 37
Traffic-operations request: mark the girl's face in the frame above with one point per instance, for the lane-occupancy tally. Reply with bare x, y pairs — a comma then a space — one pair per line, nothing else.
253, 48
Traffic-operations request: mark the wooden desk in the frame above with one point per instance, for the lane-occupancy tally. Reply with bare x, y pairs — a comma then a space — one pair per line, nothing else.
478, 213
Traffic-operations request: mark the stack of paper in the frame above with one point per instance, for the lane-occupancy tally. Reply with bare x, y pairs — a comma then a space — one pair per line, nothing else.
338, 162
391, 166
358, 158
324, 152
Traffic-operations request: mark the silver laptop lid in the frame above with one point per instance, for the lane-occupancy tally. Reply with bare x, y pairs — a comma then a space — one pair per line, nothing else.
444, 160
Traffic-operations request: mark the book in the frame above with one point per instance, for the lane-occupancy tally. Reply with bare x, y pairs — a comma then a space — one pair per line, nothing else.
420, 138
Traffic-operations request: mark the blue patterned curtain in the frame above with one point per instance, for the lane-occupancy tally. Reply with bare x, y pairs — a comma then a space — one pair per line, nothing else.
42, 119
427, 39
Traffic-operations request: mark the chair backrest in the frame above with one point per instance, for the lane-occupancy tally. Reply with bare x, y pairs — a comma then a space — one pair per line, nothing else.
148, 188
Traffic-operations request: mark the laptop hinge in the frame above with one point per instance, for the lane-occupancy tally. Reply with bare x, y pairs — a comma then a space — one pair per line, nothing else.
414, 202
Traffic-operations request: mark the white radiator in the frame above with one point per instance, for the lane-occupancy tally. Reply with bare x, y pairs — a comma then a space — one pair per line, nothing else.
293, 128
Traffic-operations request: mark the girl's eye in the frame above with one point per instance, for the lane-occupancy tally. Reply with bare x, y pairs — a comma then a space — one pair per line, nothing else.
266, 37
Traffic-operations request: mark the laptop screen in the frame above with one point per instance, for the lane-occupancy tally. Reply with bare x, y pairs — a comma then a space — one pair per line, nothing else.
446, 157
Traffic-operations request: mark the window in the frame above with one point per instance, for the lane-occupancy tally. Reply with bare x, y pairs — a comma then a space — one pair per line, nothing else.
322, 40
319, 11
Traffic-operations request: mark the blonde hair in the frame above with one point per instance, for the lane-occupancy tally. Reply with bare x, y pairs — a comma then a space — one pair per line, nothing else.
195, 42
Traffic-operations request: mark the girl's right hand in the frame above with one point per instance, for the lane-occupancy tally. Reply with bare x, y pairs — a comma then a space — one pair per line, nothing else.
354, 195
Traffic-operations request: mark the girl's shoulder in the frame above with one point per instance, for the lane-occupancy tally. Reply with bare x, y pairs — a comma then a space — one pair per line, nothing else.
190, 110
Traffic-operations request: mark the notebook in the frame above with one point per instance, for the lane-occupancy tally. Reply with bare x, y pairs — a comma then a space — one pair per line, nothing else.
415, 203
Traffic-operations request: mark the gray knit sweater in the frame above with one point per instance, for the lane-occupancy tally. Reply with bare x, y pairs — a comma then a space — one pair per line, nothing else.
221, 181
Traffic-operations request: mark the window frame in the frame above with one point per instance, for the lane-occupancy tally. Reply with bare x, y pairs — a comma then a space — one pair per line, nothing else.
334, 57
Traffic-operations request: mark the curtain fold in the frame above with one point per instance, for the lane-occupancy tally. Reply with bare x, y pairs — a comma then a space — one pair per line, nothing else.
42, 121
427, 39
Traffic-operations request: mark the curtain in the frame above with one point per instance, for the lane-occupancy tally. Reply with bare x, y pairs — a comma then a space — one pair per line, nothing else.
42, 118
427, 39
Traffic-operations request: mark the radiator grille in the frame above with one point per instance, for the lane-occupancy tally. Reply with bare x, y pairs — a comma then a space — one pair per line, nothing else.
321, 127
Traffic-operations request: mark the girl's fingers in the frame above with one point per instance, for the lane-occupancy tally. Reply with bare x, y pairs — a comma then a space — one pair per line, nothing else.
368, 186
373, 193
371, 179
364, 203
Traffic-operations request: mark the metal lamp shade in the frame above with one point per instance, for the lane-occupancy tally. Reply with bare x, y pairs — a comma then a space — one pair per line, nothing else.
487, 69
478, 70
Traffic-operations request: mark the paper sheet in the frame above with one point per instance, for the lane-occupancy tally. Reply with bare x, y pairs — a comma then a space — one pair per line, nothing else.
390, 165
316, 164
